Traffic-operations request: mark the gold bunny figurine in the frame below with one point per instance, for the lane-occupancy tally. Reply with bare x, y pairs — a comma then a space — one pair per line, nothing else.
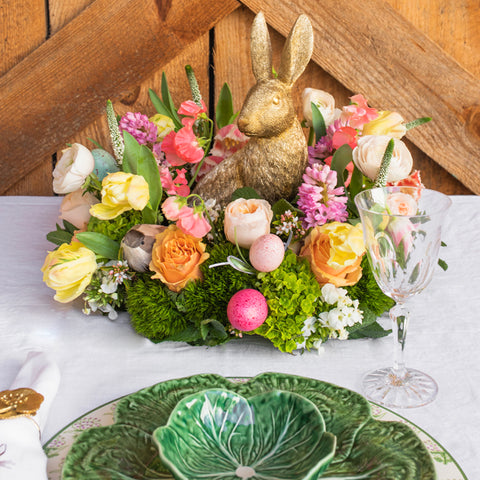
274, 159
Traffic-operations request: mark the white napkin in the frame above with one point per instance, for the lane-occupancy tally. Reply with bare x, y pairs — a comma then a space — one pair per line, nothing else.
21, 453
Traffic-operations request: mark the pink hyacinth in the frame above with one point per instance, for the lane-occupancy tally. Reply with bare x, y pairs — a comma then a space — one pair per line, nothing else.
319, 198
138, 125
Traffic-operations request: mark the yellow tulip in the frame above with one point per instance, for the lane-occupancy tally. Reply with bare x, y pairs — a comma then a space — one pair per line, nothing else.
121, 192
164, 125
68, 270
387, 123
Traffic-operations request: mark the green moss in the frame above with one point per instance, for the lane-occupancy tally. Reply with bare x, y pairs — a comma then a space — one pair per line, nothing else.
292, 294
117, 227
153, 310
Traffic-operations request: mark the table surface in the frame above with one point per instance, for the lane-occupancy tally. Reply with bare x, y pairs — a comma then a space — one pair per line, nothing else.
101, 360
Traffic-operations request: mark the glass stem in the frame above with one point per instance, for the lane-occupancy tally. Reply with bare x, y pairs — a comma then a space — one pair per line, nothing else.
399, 316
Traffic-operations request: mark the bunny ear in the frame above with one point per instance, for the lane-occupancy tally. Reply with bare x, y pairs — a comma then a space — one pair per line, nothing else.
261, 49
297, 51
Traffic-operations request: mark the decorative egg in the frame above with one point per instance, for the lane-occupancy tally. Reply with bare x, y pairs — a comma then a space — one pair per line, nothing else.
247, 309
104, 163
267, 252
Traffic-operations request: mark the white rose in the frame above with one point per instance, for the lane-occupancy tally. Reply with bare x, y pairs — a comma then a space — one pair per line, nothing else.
246, 220
323, 100
72, 169
368, 155
75, 208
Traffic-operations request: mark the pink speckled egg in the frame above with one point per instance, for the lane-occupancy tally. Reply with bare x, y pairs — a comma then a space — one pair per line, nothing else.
266, 253
247, 309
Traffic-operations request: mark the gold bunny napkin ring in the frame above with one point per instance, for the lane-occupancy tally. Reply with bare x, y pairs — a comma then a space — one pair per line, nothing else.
21, 402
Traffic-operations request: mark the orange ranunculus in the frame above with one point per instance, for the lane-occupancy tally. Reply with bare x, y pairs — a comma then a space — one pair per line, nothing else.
176, 258
335, 252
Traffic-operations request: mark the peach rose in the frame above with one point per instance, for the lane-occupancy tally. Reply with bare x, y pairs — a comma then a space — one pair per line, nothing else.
176, 258
75, 208
335, 252
246, 220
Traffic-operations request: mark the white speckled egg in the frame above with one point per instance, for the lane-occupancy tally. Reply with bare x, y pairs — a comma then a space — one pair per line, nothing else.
247, 310
267, 252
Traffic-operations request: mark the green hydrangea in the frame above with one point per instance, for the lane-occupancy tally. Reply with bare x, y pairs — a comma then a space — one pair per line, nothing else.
292, 294
117, 227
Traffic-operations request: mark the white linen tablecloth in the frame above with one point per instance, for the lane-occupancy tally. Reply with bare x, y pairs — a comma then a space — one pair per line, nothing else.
101, 360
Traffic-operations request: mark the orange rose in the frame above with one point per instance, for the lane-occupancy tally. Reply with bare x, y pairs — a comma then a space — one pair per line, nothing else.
176, 258
335, 252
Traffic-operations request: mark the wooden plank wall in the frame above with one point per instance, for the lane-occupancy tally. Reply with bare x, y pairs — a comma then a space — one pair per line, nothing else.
449, 23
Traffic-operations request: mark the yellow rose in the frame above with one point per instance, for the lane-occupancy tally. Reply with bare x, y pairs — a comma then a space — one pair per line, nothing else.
68, 270
246, 220
176, 258
121, 192
164, 125
387, 123
335, 252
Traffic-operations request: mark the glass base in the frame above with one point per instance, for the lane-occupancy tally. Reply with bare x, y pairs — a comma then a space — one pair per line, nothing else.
386, 388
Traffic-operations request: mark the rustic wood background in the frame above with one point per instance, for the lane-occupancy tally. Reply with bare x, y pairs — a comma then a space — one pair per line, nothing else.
60, 60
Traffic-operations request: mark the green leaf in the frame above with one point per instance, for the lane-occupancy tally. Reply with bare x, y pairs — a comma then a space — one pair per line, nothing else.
131, 154
100, 244
281, 206
188, 335
224, 110
168, 102
160, 107
58, 237
69, 227
417, 122
373, 330
244, 192
318, 123
341, 158
443, 264
147, 167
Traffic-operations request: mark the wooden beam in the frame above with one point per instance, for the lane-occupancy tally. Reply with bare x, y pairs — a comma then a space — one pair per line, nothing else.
109, 48
371, 49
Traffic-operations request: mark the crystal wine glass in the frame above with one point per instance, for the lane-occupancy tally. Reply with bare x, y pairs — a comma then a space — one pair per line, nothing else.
402, 231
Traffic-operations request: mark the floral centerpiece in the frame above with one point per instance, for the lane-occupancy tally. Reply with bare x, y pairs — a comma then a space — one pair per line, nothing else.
135, 237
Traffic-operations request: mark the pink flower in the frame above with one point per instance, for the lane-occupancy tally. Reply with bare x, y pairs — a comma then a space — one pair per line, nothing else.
173, 206
319, 199
182, 147
358, 113
179, 186
140, 127
191, 109
193, 222
228, 140
344, 135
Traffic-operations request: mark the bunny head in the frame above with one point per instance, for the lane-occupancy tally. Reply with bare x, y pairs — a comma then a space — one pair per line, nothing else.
268, 109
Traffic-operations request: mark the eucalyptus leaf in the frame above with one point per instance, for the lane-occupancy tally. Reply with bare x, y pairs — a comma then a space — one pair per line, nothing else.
224, 110
100, 244
69, 227
239, 438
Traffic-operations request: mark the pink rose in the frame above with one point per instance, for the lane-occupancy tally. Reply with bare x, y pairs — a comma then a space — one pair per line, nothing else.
75, 208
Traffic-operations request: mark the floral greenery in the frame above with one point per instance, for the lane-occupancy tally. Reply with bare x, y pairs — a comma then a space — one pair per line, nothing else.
292, 294
116, 228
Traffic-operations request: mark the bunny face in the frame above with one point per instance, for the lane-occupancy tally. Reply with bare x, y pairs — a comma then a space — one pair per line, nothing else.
268, 110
